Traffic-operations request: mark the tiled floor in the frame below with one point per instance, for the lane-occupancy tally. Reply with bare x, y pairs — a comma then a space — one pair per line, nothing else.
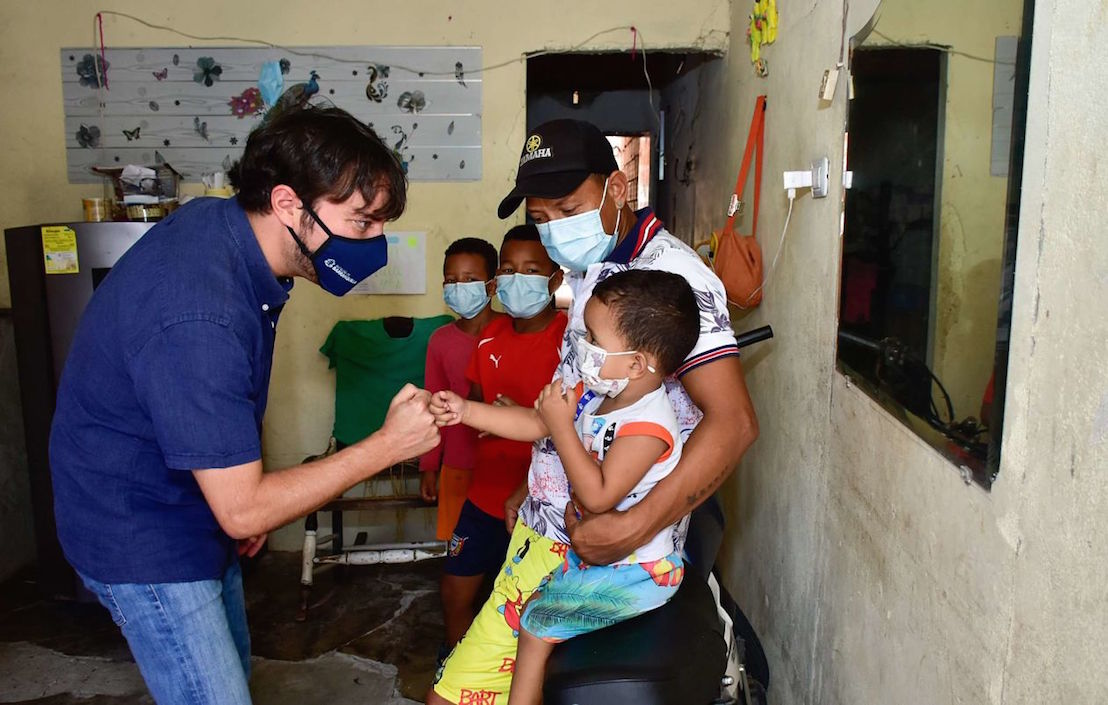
371, 637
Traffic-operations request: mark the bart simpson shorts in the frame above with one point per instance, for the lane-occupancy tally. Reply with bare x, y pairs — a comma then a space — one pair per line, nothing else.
479, 669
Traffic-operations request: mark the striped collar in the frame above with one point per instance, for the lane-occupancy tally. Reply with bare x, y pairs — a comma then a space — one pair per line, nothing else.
643, 231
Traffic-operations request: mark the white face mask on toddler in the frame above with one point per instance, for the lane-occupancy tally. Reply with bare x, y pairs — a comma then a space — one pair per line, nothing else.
590, 360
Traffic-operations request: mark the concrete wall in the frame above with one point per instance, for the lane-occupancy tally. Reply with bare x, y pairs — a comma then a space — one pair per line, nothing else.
301, 399
872, 572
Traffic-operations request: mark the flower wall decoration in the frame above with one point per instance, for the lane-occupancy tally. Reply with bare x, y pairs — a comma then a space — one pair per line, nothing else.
86, 70
249, 103
207, 71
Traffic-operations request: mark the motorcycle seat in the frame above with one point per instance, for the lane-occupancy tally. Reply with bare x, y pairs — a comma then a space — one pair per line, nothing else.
674, 655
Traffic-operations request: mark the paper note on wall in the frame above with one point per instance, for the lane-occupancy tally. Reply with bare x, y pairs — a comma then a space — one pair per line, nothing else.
59, 250
406, 272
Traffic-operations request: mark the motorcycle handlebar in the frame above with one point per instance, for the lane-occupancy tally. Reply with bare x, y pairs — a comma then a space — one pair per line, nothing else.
754, 336
859, 340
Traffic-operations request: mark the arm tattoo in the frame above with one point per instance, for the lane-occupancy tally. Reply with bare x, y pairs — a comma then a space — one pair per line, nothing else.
696, 497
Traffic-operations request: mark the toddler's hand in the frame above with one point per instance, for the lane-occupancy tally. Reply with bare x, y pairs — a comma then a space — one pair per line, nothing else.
447, 408
554, 405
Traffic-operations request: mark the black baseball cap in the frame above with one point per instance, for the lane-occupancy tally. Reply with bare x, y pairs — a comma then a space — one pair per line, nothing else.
557, 156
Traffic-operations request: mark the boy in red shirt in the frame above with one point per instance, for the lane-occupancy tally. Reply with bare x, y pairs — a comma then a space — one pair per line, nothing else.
467, 286
515, 358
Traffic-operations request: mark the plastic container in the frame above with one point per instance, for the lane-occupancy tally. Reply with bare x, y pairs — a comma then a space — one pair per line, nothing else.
97, 210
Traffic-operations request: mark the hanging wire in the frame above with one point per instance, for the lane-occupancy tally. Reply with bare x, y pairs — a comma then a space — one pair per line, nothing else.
99, 63
322, 55
941, 47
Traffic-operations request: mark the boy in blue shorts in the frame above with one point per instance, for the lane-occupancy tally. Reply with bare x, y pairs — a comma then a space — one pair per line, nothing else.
617, 436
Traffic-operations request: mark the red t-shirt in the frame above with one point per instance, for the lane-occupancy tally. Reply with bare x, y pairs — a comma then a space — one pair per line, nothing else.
448, 354
517, 366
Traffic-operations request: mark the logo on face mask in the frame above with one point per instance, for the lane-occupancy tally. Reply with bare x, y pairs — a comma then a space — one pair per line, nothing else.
533, 143
334, 267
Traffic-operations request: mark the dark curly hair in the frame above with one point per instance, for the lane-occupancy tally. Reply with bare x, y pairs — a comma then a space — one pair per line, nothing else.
523, 233
474, 246
655, 312
321, 153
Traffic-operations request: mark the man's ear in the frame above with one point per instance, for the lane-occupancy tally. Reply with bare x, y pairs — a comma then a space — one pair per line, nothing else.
617, 188
286, 205
490, 287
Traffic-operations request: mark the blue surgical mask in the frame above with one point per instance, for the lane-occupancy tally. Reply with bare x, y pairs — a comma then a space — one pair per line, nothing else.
579, 240
523, 295
342, 262
467, 299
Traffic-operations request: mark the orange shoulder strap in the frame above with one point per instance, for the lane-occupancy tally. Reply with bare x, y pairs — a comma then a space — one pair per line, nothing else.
755, 142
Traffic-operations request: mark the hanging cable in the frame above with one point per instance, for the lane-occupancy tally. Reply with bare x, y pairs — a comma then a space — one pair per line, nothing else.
776, 255
322, 55
941, 47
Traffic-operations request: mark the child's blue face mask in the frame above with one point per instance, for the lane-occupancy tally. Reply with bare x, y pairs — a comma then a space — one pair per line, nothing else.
342, 262
467, 299
523, 295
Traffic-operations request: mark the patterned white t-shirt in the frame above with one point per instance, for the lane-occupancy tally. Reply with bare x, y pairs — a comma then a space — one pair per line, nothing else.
653, 248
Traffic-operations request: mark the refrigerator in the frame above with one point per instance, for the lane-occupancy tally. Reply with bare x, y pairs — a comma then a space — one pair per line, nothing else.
53, 270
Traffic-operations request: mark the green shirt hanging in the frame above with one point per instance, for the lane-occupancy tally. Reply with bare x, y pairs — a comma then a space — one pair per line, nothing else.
370, 368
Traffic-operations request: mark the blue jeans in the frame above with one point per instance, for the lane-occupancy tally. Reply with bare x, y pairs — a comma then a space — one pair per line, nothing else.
190, 640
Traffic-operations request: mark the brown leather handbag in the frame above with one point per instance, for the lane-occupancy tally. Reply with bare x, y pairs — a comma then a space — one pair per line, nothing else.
738, 258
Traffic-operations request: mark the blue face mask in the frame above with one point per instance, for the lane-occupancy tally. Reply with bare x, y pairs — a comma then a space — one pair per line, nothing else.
523, 295
342, 262
579, 240
467, 299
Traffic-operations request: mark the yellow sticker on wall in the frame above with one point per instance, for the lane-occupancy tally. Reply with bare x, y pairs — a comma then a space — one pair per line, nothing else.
59, 249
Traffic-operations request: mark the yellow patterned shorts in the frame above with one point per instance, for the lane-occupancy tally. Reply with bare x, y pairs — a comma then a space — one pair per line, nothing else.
479, 669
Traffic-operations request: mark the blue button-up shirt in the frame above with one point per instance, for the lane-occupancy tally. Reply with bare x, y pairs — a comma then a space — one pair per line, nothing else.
168, 373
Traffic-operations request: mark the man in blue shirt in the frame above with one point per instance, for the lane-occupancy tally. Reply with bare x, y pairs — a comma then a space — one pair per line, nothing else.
155, 449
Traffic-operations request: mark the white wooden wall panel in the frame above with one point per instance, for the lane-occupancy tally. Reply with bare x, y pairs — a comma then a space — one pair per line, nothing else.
154, 104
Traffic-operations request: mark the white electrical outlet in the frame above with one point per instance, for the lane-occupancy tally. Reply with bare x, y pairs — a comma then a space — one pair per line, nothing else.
828, 83
797, 179
820, 182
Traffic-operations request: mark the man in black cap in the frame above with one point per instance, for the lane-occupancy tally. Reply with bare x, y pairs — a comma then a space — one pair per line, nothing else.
577, 197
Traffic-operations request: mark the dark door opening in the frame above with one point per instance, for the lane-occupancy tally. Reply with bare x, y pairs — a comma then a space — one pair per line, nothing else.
620, 93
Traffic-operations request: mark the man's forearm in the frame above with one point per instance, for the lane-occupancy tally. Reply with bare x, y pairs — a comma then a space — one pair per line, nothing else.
707, 459
274, 499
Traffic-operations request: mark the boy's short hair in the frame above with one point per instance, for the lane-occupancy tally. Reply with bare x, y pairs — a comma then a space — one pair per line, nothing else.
321, 153
474, 246
656, 312
525, 233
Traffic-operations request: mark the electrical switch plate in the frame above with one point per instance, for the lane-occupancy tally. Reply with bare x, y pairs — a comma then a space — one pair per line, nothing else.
827, 85
820, 183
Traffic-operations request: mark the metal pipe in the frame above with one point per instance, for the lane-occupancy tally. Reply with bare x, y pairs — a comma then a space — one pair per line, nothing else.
307, 559
373, 557
432, 546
